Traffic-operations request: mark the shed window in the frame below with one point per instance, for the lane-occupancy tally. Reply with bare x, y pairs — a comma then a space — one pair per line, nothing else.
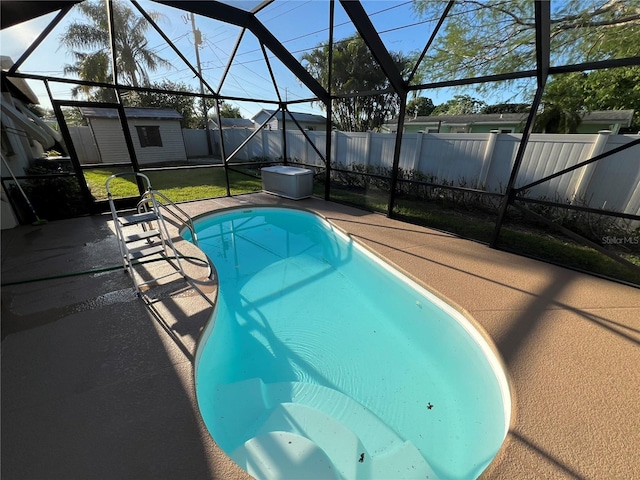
149, 136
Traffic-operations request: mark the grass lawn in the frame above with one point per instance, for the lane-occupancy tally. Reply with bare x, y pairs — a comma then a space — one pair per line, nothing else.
480, 225
209, 182
178, 185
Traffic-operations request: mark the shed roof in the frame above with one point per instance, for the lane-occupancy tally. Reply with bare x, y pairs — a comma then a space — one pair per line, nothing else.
234, 122
298, 116
131, 112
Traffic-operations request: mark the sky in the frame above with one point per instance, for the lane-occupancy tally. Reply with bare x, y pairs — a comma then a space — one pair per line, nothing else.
300, 25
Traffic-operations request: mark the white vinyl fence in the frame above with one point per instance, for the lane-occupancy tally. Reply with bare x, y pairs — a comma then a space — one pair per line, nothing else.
481, 160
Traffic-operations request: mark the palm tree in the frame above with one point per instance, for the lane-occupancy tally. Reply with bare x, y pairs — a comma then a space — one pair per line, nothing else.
355, 70
556, 118
90, 45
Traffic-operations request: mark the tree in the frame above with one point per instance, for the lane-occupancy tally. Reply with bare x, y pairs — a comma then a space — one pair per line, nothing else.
73, 117
460, 105
613, 89
507, 108
420, 107
483, 38
568, 97
355, 70
562, 103
229, 111
183, 104
90, 45
555, 118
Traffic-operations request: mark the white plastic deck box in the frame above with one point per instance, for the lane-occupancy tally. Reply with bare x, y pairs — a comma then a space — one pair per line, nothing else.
289, 182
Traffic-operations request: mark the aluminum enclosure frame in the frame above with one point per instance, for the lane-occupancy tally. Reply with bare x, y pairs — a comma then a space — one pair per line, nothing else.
14, 12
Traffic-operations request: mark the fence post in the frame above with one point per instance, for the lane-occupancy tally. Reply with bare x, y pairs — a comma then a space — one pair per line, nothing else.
247, 148
487, 158
334, 147
582, 184
367, 149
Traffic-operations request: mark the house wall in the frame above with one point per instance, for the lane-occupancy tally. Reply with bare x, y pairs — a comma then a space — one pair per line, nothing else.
23, 146
516, 126
272, 125
276, 123
113, 149
486, 128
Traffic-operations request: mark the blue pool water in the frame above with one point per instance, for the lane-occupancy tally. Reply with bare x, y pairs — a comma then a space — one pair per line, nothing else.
322, 361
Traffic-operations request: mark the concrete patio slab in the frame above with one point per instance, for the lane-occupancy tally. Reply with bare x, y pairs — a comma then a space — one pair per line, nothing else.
98, 383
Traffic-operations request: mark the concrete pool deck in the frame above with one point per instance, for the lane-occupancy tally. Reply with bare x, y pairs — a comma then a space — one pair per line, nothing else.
98, 383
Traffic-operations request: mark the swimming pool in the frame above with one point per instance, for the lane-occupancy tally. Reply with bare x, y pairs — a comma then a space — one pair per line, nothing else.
321, 361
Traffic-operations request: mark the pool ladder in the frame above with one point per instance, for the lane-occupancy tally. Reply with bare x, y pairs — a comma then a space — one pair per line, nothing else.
145, 234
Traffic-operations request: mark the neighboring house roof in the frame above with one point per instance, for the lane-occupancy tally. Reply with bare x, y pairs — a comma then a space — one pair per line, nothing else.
298, 116
623, 117
131, 112
477, 118
234, 122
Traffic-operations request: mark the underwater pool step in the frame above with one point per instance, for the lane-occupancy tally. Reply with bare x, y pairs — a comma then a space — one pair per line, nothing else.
377, 436
323, 434
358, 442
249, 403
284, 455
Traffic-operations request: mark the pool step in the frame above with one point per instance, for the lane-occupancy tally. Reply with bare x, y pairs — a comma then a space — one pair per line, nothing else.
249, 402
347, 456
280, 455
338, 425
376, 434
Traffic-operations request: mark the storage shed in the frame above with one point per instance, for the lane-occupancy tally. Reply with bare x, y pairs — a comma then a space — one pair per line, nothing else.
156, 133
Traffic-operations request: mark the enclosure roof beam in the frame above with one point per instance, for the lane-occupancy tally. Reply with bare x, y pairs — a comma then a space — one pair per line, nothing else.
241, 18
543, 29
276, 47
45, 32
175, 49
543, 40
18, 11
369, 34
213, 9
431, 39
